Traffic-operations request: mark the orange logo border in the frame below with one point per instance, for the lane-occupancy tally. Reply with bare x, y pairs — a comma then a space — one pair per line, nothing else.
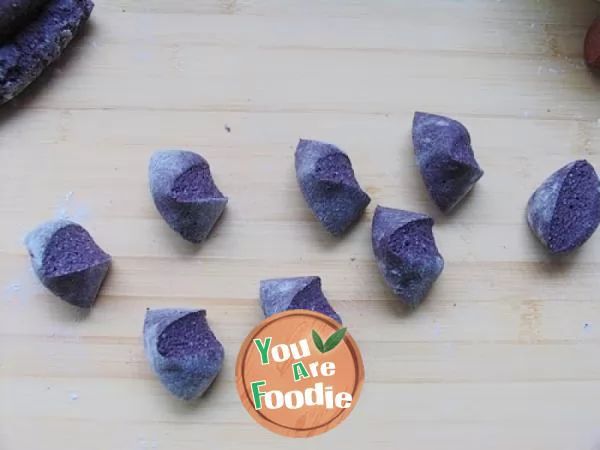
246, 397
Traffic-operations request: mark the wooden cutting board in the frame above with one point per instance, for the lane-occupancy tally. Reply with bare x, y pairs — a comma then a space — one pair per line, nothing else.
503, 355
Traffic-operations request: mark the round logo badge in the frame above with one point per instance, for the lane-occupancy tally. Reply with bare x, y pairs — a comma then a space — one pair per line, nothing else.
299, 373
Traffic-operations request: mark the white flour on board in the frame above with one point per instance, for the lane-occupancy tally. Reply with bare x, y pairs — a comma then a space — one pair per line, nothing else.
70, 209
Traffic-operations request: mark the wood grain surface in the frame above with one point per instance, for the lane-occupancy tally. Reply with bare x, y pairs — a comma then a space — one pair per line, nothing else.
503, 355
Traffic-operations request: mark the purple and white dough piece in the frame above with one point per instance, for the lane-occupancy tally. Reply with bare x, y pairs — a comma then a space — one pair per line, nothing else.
185, 194
564, 211
406, 252
68, 261
329, 186
39, 43
445, 158
286, 294
182, 350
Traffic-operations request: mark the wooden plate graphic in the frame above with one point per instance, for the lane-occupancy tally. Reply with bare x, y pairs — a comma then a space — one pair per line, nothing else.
296, 377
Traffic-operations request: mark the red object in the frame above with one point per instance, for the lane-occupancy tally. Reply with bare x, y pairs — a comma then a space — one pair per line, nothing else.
591, 48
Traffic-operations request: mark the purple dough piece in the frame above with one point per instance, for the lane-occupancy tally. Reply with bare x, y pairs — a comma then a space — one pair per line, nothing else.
182, 350
14, 14
185, 194
564, 211
327, 181
406, 253
67, 261
39, 44
445, 158
286, 294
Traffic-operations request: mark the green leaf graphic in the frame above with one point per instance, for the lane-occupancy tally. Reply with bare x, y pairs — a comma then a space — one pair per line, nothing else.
334, 340
318, 341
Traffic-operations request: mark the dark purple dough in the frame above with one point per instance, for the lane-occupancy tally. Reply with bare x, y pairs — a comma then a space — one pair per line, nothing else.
564, 211
39, 43
182, 350
445, 158
327, 181
406, 252
185, 194
14, 14
286, 294
67, 261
